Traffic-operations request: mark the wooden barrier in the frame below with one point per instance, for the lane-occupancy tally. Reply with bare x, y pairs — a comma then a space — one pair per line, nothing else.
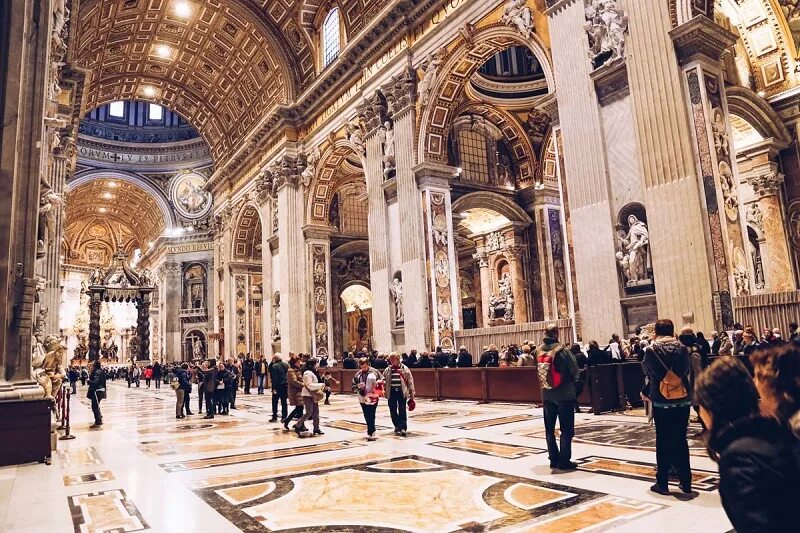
476, 339
608, 387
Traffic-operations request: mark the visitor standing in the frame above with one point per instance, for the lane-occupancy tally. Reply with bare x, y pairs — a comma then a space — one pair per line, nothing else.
97, 391
365, 385
209, 386
279, 382
182, 388
73, 375
557, 371
157, 374
582, 361
221, 380
759, 477
312, 395
247, 372
294, 379
148, 375
261, 374
667, 367
777, 378
232, 383
400, 391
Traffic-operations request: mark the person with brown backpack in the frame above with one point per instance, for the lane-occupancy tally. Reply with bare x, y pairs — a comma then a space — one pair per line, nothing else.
667, 366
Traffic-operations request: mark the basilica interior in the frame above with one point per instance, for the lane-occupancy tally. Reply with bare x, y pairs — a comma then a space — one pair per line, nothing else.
186, 180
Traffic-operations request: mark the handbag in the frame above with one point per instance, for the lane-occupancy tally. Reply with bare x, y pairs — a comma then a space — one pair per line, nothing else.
411, 404
100, 394
175, 384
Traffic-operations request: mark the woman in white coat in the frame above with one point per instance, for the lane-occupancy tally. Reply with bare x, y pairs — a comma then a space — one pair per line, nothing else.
312, 394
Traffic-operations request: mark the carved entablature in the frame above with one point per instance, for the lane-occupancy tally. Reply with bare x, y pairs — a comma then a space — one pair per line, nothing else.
373, 112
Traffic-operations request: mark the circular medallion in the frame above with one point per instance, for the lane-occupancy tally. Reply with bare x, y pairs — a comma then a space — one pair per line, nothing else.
188, 196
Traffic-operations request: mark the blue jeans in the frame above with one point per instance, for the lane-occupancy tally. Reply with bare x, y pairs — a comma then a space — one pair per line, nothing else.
565, 413
262, 380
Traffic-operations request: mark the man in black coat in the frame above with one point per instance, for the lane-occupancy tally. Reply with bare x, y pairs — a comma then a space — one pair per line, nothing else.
349, 362
261, 374
96, 392
279, 380
247, 372
440, 357
464, 358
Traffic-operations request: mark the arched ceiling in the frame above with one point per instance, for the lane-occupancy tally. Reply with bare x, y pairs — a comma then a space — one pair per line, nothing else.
247, 236
229, 63
120, 203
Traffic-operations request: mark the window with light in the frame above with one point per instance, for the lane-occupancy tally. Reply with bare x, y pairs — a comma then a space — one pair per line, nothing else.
155, 112
330, 37
116, 109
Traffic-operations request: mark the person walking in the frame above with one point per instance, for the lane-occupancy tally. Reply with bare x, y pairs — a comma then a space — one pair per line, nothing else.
96, 392
261, 374
582, 361
294, 379
73, 376
759, 476
181, 385
157, 374
667, 367
365, 385
312, 395
232, 384
558, 372
84, 376
247, 373
400, 392
279, 381
209, 380
148, 375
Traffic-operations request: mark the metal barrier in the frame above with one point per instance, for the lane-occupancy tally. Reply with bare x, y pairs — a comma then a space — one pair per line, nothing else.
62, 412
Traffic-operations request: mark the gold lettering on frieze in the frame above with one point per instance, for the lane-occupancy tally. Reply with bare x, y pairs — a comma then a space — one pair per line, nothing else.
196, 247
122, 157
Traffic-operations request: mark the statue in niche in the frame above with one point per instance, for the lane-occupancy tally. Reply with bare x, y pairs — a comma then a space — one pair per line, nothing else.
431, 72
396, 287
518, 15
197, 349
633, 258
501, 305
49, 204
46, 363
606, 24
356, 135
495, 241
720, 130
311, 166
505, 175
82, 347
97, 277
386, 136
276, 324
755, 217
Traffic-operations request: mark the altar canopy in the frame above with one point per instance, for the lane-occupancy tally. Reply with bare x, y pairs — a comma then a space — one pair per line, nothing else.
120, 282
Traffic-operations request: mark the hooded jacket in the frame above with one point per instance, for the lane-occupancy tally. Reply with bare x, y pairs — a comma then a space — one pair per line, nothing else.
674, 356
759, 476
565, 365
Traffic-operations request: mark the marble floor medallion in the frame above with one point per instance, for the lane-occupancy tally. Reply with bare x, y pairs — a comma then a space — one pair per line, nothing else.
105, 512
486, 500
494, 449
481, 424
702, 480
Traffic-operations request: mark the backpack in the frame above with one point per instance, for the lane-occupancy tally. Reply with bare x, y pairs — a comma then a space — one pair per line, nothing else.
549, 377
671, 386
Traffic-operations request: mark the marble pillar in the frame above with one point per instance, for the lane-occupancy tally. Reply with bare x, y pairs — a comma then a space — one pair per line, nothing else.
434, 181
766, 182
373, 113
699, 45
171, 334
401, 98
50, 266
482, 260
295, 302
515, 252
586, 171
319, 258
265, 215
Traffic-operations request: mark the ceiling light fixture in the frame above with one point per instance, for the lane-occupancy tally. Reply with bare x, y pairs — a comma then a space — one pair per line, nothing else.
107, 196
164, 51
149, 91
182, 9
111, 184
102, 209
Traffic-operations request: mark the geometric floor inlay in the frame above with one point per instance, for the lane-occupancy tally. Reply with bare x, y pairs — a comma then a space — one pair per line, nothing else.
427, 494
599, 515
105, 512
494, 449
480, 424
81, 479
702, 480
79, 457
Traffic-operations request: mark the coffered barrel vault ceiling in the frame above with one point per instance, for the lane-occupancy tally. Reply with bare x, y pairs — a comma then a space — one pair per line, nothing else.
223, 67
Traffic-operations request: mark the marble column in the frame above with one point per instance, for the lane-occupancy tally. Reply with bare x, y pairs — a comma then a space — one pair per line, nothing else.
482, 260
319, 258
50, 265
265, 202
434, 181
373, 113
224, 308
699, 45
401, 98
515, 252
766, 183
295, 301
172, 341
587, 171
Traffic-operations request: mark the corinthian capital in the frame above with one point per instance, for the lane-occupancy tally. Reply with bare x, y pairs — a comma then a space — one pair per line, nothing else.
287, 171
482, 258
373, 111
766, 183
401, 91
265, 187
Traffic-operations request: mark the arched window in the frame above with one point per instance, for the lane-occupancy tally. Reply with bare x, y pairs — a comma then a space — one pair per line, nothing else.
330, 37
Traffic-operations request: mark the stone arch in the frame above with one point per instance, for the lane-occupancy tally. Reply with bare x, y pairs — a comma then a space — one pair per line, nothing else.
462, 62
494, 201
325, 177
514, 135
247, 233
85, 177
758, 113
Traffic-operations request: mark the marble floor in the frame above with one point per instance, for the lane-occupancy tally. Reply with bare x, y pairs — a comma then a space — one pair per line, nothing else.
462, 467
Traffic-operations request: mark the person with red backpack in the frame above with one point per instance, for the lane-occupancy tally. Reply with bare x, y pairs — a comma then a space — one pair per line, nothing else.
558, 372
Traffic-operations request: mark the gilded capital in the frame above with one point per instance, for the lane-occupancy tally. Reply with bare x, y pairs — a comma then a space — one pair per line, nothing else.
373, 111
401, 91
766, 183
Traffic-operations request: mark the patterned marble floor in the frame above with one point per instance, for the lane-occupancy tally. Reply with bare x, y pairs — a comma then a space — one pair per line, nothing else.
462, 467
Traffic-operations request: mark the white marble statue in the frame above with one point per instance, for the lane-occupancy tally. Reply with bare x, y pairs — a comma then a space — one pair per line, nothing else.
46, 364
356, 135
606, 24
755, 217
49, 204
431, 69
311, 166
518, 14
197, 349
276, 325
634, 255
387, 138
396, 287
